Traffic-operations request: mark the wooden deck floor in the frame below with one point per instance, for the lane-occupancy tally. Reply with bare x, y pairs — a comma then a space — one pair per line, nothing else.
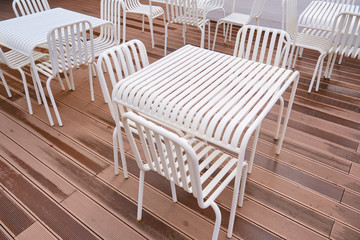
58, 182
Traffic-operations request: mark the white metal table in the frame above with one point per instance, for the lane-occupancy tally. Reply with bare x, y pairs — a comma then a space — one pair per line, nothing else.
25, 33
217, 97
319, 15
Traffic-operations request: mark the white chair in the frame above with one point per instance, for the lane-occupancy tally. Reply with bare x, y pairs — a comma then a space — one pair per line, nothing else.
266, 45
240, 19
186, 162
69, 46
111, 10
186, 12
134, 6
120, 61
322, 44
26, 7
17, 61
345, 42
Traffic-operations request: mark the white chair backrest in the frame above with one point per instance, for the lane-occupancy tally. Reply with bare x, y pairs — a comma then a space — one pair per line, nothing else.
165, 153
26, 7
346, 35
262, 44
70, 46
120, 61
257, 8
183, 11
112, 10
290, 9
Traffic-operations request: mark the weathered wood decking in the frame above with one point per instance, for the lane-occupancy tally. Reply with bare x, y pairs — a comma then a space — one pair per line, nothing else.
58, 182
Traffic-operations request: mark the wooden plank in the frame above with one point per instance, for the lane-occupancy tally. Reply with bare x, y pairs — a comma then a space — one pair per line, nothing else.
12, 214
63, 224
179, 215
97, 218
355, 170
82, 179
36, 231
317, 202
31, 167
341, 231
351, 199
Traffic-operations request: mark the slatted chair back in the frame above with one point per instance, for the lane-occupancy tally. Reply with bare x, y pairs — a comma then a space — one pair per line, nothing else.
262, 44
70, 46
184, 12
26, 7
345, 38
112, 10
120, 62
256, 9
165, 153
186, 162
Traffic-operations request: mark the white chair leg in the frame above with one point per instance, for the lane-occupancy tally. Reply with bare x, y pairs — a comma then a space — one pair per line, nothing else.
67, 80
173, 192
209, 35
166, 33
5, 84
28, 100
295, 57
315, 72
53, 101
202, 36
143, 23
278, 124
319, 73
217, 220
253, 149
60, 82
42, 94
94, 70
151, 32
231, 27
122, 153
216, 29
287, 116
234, 202
91, 83
115, 150
242, 185
140, 195
35, 87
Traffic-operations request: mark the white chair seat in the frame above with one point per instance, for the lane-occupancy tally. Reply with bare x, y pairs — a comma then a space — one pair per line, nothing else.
18, 60
317, 43
145, 9
236, 18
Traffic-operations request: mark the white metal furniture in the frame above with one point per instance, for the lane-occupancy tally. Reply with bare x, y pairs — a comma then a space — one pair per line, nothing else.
187, 12
26, 7
25, 33
318, 17
265, 45
240, 19
186, 162
70, 46
346, 42
213, 96
134, 6
17, 61
321, 43
120, 61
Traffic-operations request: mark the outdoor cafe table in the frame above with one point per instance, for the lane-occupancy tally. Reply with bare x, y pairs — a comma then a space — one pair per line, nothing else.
217, 97
25, 33
319, 15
